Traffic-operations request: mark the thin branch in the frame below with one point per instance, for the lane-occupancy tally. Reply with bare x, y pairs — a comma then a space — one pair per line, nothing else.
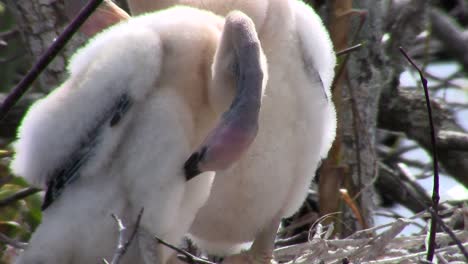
456, 106
378, 243
23, 193
307, 219
405, 111
411, 163
47, 57
399, 186
393, 154
447, 81
435, 191
450, 233
392, 214
406, 258
8, 33
450, 34
339, 72
188, 257
11, 58
292, 240
123, 244
9, 241
349, 50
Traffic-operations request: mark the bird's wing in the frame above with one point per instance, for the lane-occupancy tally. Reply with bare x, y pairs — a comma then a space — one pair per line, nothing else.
319, 61
315, 45
69, 169
87, 115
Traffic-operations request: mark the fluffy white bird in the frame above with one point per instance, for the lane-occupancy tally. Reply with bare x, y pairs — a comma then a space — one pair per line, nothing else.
297, 127
119, 133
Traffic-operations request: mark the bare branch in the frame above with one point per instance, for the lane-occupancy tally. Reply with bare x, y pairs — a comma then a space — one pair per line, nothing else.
450, 34
8, 33
9, 241
47, 57
188, 257
359, 248
348, 50
18, 196
452, 140
123, 243
378, 243
450, 233
403, 110
403, 189
435, 162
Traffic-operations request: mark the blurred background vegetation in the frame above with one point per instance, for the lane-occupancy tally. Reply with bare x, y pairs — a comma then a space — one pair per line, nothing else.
19, 218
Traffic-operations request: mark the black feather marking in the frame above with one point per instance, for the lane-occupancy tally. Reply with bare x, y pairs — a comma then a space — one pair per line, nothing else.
191, 165
122, 108
309, 66
70, 169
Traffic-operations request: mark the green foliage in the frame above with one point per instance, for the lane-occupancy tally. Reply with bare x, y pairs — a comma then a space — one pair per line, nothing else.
20, 218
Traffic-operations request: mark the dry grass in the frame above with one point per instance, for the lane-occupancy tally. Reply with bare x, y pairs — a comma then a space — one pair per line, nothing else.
382, 244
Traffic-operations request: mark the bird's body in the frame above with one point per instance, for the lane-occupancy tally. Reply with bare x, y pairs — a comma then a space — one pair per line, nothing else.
296, 126
139, 157
116, 134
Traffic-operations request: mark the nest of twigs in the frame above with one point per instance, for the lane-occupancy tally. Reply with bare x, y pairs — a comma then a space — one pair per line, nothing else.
382, 244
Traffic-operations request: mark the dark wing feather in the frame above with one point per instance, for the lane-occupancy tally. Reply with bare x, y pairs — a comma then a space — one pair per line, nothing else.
69, 171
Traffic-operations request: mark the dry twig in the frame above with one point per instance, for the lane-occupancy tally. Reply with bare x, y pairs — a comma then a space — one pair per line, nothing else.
123, 243
189, 258
384, 248
9, 241
21, 194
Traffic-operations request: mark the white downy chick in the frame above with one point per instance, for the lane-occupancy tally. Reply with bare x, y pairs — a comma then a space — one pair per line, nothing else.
296, 128
114, 137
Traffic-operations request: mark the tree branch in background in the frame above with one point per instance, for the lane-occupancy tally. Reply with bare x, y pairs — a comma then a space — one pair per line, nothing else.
452, 140
450, 34
402, 188
404, 21
47, 57
403, 110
